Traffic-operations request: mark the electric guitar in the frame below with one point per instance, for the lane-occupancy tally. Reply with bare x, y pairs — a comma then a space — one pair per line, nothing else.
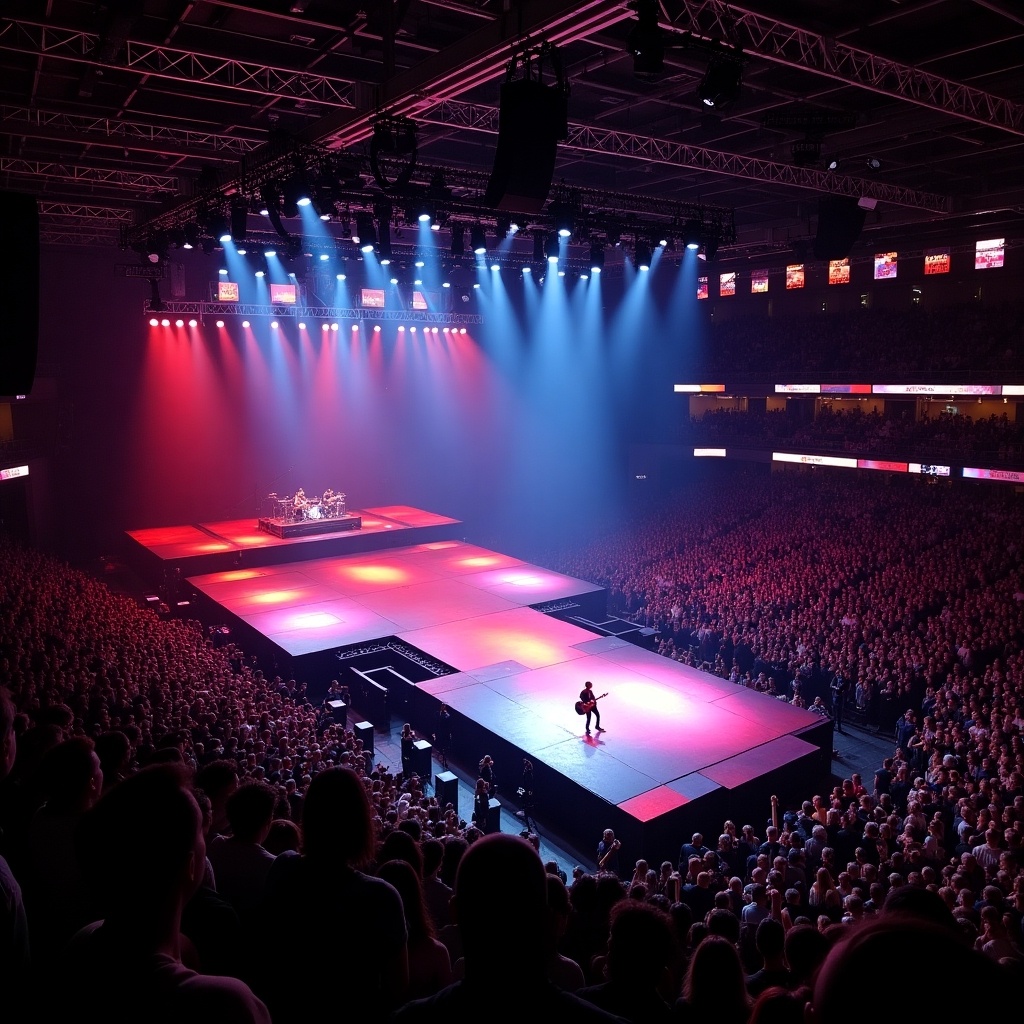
583, 706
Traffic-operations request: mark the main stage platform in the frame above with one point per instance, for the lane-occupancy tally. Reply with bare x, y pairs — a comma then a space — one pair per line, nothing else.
207, 547
490, 635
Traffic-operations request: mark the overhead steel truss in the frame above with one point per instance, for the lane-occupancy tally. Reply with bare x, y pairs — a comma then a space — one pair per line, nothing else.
801, 48
54, 41
49, 124
641, 147
322, 313
59, 171
81, 213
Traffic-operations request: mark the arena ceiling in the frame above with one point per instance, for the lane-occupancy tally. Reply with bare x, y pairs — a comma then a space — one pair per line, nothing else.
111, 113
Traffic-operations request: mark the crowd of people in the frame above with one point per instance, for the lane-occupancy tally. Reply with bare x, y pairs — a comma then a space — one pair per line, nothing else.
955, 339
944, 437
184, 835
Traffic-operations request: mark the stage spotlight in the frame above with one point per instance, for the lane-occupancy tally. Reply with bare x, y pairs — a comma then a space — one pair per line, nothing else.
245, 323
325, 327
834, 164
562, 219
495, 268
551, 247
156, 304
366, 232
342, 270
478, 239
217, 224
242, 252
193, 323
191, 236
645, 40
165, 323
302, 325
220, 323
270, 251
154, 322
596, 256
423, 211
873, 163
261, 272
527, 270
179, 323
394, 280
376, 328
223, 271
721, 83
274, 324
642, 254
691, 234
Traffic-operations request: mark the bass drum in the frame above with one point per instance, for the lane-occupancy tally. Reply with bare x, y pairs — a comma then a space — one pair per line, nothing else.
314, 512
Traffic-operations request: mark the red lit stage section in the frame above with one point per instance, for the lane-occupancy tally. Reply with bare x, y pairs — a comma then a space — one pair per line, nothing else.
683, 749
208, 547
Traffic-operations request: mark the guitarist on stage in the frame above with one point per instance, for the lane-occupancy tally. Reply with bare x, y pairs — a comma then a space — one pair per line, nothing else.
588, 702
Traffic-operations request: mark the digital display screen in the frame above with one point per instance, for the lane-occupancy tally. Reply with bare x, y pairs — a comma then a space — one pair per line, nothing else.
418, 301
13, 472
702, 287
839, 271
727, 284
989, 254
227, 291
759, 282
795, 276
885, 266
815, 460
709, 453
1006, 476
283, 294
926, 470
891, 467
372, 298
936, 261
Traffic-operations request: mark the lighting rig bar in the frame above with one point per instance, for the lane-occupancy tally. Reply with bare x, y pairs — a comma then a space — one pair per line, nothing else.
408, 316
157, 61
588, 139
158, 138
796, 47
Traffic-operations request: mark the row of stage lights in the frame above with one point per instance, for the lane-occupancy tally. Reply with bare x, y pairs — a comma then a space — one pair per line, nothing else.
325, 327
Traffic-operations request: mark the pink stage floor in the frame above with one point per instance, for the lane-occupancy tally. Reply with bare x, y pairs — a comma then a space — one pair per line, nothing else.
678, 740
468, 595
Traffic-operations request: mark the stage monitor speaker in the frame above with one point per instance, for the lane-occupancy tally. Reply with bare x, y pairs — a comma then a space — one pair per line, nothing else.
493, 816
422, 760
531, 119
364, 732
339, 712
446, 789
19, 292
840, 220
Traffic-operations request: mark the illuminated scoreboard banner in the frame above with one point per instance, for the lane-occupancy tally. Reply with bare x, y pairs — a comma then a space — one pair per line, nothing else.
709, 453
759, 282
702, 287
989, 254
839, 271
727, 284
13, 472
227, 291
795, 276
936, 261
283, 294
885, 266
937, 389
1004, 476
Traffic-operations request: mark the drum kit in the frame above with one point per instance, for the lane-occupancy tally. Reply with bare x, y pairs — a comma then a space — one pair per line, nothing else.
298, 508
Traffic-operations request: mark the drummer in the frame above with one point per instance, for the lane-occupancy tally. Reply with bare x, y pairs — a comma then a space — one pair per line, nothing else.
300, 499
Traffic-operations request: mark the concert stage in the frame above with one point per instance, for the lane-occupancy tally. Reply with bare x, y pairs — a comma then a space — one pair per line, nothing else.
448, 621
196, 548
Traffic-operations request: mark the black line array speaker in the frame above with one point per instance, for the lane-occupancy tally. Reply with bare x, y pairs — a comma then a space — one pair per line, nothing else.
840, 220
19, 292
531, 119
